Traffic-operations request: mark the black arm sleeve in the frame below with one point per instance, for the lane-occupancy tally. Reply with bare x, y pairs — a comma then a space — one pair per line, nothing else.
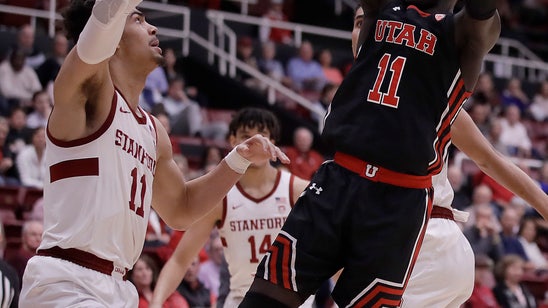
481, 9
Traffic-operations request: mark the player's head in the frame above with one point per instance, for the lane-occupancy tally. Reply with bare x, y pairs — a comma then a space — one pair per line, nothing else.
250, 121
76, 16
358, 20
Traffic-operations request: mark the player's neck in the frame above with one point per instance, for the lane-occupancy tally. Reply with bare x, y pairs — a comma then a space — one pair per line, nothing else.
257, 176
128, 80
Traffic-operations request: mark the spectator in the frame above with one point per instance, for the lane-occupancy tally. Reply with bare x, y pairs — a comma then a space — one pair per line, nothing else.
539, 107
509, 222
269, 33
480, 112
18, 81
269, 65
9, 293
169, 67
47, 72
30, 162
156, 86
210, 270
144, 276
304, 160
25, 42
244, 52
513, 94
332, 74
486, 86
510, 292
514, 134
461, 197
494, 133
481, 194
306, 74
192, 289
483, 235
527, 237
41, 102
184, 113
482, 294
31, 235
7, 160
321, 105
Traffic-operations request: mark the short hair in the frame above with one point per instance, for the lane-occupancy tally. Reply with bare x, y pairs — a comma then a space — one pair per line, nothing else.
255, 118
76, 16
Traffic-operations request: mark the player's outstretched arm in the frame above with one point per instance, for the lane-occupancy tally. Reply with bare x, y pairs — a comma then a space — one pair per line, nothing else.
84, 76
477, 29
178, 203
467, 137
188, 248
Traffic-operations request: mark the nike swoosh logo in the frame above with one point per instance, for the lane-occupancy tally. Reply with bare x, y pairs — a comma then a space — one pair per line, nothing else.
235, 207
124, 111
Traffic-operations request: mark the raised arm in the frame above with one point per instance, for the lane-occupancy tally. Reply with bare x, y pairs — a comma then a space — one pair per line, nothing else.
188, 248
467, 137
371, 10
477, 29
84, 83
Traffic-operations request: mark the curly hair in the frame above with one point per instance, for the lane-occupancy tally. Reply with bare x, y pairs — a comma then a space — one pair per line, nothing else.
255, 118
76, 16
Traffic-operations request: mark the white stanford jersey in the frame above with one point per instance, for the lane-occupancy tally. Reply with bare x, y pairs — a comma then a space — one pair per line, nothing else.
443, 194
98, 189
248, 228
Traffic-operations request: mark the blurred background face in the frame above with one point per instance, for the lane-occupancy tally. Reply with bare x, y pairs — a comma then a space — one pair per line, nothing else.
39, 138
514, 271
42, 102
529, 230
33, 235
142, 274
303, 140
60, 45
306, 51
191, 274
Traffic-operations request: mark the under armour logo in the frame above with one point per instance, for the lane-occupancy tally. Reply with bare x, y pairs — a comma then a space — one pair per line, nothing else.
371, 171
317, 189
396, 8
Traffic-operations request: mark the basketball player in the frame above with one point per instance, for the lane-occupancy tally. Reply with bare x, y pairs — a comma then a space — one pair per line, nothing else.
249, 218
105, 157
445, 252
389, 124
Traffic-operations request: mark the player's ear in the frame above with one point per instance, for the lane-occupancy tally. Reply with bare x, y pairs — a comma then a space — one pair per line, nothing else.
232, 140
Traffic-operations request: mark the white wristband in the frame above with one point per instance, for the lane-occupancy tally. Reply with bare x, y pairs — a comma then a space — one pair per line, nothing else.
237, 162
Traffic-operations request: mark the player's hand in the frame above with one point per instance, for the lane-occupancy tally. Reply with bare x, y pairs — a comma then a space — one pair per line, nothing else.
259, 148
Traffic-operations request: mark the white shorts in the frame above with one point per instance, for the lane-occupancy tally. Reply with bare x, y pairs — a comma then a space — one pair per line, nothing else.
443, 276
52, 282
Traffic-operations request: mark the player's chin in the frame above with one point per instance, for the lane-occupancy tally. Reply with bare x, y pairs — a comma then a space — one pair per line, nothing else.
159, 59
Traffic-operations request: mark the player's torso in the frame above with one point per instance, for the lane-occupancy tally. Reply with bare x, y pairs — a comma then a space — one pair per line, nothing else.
98, 189
250, 226
394, 107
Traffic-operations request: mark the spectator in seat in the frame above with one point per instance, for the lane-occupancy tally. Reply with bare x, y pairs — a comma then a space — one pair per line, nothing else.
25, 42
42, 106
304, 160
306, 73
7, 158
510, 291
31, 235
144, 276
514, 133
513, 94
482, 294
193, 290
539, 107
332, 74
278, 35
47, 71
30, 160
527, 237
18, 81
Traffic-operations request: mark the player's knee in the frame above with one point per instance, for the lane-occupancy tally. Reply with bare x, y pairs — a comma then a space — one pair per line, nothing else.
255, 299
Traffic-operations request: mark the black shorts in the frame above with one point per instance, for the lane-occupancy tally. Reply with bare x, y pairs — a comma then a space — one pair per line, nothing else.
371, 229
